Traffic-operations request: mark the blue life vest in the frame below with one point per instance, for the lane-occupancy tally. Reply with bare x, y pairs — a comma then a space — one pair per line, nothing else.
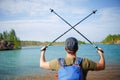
70, 72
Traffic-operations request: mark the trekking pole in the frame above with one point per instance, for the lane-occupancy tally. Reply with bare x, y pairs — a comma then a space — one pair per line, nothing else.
73, 27
68, 29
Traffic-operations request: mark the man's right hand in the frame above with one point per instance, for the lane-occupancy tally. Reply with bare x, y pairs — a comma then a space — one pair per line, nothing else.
100, 50
43, 48
101, 64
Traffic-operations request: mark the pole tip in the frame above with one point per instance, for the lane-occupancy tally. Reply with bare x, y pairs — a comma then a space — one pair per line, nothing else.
51, 10
94, 11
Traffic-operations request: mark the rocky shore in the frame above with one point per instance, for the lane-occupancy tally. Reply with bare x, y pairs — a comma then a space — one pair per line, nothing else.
5, 45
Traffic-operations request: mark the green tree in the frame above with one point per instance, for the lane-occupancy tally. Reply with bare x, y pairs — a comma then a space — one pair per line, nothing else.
81, 42
5, 35
111, 39
17, 44
11, 37
1, 36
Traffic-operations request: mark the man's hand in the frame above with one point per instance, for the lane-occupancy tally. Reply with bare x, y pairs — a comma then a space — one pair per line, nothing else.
99, 50
43, 63
43, 48
101, 64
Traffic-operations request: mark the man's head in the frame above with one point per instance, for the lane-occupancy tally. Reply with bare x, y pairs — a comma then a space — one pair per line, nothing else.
71, 45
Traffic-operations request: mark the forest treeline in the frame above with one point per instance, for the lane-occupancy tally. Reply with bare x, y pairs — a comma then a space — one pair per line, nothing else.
38, 43
9, 40
112, 39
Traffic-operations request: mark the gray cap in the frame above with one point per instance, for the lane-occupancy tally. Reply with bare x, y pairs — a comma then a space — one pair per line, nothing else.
71, 44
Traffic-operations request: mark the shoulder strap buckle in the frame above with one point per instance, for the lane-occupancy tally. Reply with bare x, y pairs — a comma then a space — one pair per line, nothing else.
62, 62
78, 61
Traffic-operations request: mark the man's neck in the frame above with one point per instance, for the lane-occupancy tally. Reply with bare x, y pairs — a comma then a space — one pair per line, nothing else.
71, 55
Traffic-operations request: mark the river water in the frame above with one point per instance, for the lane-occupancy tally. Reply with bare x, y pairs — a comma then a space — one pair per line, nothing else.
26, 61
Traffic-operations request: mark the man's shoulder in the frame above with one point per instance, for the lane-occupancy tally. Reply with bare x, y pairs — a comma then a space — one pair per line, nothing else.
54, 64
88, 64
54, 61
87, 60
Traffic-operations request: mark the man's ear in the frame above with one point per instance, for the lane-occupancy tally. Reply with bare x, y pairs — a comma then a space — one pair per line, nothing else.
65, 49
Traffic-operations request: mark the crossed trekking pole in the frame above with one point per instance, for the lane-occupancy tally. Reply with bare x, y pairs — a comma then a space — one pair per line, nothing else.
72, 27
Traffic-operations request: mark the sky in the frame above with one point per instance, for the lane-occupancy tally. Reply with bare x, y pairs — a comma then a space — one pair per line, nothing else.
32, 19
